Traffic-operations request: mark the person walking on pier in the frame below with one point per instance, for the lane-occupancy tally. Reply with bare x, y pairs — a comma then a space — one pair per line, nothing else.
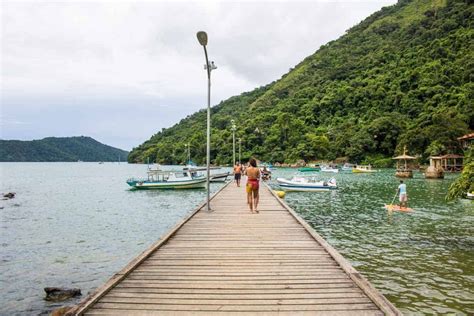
237, 173
253, 176
402, 192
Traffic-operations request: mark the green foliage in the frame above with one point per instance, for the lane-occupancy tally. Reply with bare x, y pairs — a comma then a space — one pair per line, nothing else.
465, 183
59, 149
402, 77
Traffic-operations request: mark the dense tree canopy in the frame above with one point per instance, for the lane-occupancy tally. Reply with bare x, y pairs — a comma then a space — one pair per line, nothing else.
59, 149
402, 77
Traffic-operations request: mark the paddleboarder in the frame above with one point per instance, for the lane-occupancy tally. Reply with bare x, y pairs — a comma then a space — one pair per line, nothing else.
402, 193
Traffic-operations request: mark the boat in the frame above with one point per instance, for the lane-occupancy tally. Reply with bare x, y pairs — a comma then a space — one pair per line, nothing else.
470, 196
158, 179
266, 173
309, 169
217, 175
306, 184
363, 169
347, 167
394, 207
329, 169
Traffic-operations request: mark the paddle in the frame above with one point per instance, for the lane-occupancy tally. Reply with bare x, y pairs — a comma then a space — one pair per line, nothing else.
393, 200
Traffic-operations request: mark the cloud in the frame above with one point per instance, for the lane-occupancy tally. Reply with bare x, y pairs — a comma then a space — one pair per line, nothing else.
72, 55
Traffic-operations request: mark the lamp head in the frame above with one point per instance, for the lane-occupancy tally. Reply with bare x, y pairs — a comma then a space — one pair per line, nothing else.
202, 38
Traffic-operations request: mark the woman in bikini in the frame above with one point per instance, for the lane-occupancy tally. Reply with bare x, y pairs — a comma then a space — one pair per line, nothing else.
253, 176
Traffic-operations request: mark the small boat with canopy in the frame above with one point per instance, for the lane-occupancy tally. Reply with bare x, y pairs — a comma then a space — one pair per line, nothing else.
158, 179
299, 183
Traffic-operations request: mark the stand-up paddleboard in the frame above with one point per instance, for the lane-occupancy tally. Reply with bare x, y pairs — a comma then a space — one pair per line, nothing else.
394, 207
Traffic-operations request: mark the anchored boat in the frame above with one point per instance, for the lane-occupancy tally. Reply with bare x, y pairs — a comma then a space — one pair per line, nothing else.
309, 169
158, 179
306, 184
329, 169
363, 169
347, 167
216, 173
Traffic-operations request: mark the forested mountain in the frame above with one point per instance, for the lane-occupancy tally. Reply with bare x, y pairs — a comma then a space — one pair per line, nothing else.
403, 76
59, 149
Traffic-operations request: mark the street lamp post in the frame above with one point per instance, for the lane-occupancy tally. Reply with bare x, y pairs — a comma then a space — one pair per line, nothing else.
202, 38
233, 140
240, 145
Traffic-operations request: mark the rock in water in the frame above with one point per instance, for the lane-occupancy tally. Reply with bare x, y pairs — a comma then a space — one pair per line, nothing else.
9, 195
57, 294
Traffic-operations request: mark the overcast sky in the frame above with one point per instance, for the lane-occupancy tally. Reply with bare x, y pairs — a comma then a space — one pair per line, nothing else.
121, 71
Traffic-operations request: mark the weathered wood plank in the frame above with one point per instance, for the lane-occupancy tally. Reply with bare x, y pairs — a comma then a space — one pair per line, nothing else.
129, 312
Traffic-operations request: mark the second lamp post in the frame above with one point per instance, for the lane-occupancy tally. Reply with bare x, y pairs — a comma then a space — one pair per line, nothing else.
233, 140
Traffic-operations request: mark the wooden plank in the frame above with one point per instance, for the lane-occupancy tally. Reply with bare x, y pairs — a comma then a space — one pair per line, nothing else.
200, 301
256, 308
257, 296
335, 288
129, 312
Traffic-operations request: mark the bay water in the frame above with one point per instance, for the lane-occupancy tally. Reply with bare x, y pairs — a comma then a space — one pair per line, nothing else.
76, 224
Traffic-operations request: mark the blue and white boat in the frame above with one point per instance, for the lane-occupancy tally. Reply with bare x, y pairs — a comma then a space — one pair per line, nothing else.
158, 179
329, 169
306, 184
347, 167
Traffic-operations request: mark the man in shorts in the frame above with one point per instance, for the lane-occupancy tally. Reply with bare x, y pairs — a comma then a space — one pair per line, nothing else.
237, 173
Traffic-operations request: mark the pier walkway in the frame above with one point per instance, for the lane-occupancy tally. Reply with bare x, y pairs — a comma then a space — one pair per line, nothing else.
232, 262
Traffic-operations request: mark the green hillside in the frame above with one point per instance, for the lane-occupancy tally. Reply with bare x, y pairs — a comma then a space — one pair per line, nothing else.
59, 149
403, 76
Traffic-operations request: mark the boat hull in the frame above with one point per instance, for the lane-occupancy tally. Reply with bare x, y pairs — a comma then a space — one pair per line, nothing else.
304, 187
309, 169
172, 185
330, 170
220, 177
362, 171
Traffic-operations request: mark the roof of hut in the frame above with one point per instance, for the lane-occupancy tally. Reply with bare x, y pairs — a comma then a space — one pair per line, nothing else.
451, 156
404, 157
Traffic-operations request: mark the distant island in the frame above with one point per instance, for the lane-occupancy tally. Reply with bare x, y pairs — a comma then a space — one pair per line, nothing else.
59, 149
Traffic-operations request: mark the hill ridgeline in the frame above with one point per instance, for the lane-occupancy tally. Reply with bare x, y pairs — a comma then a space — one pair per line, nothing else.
59, 149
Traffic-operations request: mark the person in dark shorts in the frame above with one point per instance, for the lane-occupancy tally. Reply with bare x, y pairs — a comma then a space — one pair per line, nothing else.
237, 173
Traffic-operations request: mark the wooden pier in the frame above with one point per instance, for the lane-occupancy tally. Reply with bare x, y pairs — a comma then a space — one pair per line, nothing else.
232, 262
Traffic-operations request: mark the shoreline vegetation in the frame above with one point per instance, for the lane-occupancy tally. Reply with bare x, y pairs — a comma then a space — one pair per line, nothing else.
402, 77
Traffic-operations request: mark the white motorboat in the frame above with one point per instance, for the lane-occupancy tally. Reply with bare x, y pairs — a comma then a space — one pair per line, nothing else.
347, 167
329, 169
158, 179
363, 169
216, 173
306, 184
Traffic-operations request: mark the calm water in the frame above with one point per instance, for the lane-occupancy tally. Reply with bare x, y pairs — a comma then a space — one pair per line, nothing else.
422, 261
76, 224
